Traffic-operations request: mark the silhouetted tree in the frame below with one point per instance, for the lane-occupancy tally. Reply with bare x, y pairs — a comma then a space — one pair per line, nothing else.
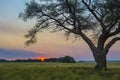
100, 18
67, 59
26, 60
51, 60
3, 60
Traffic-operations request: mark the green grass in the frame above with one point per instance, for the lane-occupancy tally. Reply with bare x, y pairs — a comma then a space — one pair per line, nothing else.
57, 71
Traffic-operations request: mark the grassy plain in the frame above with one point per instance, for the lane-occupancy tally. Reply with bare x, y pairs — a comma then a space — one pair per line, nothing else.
57, 71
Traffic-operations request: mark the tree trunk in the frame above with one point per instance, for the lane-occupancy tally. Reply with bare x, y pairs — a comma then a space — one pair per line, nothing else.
101, 61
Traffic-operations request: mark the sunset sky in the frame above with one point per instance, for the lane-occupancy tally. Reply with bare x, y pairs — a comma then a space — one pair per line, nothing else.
12, 30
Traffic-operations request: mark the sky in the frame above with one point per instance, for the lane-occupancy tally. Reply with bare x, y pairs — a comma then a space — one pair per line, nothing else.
13, 29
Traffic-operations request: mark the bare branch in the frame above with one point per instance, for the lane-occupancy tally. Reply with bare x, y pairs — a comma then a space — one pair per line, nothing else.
91, 10
87, 40
94, 14
112, 24
117, 31
108, 46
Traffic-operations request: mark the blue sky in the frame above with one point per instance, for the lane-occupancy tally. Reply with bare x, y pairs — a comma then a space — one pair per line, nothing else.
12, 30
9, 9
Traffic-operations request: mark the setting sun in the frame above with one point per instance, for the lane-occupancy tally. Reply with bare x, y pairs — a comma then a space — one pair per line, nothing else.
41, 58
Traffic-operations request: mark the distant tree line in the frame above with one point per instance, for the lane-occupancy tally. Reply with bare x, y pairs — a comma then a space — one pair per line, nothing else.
66, 59
20, 60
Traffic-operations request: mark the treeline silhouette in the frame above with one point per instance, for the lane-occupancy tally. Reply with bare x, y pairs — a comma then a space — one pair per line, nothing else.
20, 60
66, 59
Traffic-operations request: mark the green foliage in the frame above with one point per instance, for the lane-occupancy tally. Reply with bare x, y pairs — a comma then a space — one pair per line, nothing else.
57, 71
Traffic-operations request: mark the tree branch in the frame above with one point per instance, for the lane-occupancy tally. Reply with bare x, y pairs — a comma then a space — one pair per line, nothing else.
117, 31
87, 40
109, 45
91, 10
84, 37
60, 23
112, 24
94, 14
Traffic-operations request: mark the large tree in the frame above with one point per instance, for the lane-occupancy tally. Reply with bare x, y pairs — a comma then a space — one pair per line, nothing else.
100, 18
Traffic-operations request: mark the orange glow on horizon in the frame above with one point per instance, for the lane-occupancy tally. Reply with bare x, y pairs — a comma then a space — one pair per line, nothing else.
41, 58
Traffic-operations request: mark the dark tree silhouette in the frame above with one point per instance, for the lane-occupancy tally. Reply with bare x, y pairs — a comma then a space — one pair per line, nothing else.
67, 59
100, 18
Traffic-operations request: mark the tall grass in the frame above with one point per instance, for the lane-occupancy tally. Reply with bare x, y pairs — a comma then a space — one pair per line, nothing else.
57, 71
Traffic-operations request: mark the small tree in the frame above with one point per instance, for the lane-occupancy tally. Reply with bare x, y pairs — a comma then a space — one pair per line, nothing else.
100, 18
67, 59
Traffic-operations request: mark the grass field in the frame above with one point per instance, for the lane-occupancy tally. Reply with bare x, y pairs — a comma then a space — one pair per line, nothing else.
57, 71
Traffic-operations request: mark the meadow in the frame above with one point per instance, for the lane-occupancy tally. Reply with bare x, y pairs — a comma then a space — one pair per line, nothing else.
57, 71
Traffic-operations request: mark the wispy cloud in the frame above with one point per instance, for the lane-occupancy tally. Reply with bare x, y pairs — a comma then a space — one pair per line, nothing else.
18, 54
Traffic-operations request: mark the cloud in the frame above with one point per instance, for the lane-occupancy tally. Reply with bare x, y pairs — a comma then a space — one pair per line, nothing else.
10, 28
18, 54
